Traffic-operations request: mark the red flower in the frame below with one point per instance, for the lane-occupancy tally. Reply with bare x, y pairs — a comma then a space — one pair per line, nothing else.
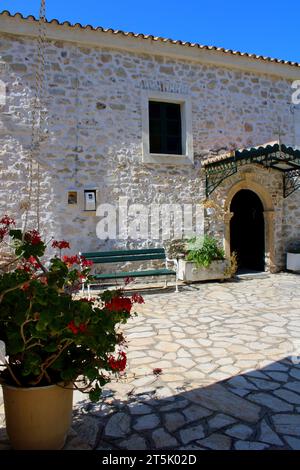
44, 280
73, 327
85, 263
33, 262
117, 304
60, 244
76, 329
29, 265
157, 371
33, 237
3, 232
7, 221
137, 299
25, 286
70, 260
119, 364
24, 267
82, 327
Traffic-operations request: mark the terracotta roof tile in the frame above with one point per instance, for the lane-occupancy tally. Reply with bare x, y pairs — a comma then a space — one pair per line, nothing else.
155, 38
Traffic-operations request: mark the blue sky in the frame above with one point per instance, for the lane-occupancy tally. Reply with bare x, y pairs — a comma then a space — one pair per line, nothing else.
266, 27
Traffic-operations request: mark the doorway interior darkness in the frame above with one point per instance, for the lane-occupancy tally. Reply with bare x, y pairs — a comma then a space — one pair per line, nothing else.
247, 231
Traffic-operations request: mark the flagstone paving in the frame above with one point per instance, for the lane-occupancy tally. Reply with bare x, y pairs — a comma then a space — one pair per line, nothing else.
230, 373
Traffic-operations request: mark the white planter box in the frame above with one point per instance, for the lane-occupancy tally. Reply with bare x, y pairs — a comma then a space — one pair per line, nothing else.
293, 261
189, 272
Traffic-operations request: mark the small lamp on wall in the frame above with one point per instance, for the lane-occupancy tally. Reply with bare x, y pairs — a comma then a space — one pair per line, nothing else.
212, 208
72, 197
210, 211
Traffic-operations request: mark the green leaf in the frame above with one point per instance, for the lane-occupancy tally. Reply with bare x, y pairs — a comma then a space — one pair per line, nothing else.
91, 373
50, 347
19, 315
102, 381
16, 234
42, 335
25, 371
58, 364
95, 394
204, 250
14, 343
41, 325
69, 374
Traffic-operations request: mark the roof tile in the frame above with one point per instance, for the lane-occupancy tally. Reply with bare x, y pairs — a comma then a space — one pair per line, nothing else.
156, 38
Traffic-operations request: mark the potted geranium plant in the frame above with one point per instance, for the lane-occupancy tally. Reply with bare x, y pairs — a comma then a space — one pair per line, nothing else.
201, 259
54, 340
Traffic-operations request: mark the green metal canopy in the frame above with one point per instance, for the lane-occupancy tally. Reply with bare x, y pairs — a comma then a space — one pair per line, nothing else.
276, 156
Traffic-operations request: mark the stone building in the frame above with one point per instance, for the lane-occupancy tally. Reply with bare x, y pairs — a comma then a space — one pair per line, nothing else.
150, 121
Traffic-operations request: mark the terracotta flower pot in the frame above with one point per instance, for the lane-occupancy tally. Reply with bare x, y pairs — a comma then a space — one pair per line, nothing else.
38, 417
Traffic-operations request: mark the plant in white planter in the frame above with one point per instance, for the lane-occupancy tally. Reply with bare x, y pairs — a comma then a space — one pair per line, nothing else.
203, 260
293, 257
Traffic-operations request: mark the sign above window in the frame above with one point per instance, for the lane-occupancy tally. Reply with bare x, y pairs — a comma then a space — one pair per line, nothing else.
164, 86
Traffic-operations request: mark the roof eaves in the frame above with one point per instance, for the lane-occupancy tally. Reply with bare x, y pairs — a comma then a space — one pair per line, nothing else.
154, 38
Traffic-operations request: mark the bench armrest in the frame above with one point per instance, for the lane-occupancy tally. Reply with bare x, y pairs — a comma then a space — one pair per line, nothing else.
174, 261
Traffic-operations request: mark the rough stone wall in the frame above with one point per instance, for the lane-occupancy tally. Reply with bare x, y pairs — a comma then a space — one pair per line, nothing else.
15, 140
93, 132
290, 220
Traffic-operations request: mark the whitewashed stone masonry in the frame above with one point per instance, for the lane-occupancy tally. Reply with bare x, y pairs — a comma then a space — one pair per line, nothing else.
93, 132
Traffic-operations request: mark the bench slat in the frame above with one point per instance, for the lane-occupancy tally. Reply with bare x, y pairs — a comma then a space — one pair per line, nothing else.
150, 272
120, 259
96, 254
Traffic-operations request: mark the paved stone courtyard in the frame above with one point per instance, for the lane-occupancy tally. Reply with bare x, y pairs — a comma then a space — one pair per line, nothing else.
228, 381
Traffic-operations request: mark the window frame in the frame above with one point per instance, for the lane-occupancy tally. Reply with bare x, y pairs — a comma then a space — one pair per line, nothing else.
162, 123
187, 156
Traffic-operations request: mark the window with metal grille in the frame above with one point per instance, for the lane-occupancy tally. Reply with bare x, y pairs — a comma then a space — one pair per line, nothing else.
165, 132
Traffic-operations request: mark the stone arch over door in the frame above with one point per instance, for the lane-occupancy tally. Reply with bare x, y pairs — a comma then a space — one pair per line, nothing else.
268, 212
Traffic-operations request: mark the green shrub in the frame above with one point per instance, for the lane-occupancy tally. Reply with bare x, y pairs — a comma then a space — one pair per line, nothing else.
204, 250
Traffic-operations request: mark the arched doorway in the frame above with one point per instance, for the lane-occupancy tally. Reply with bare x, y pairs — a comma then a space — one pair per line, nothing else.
247, 230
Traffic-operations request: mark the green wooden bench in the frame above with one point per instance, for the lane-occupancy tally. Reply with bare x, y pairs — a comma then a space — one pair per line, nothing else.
121, 256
